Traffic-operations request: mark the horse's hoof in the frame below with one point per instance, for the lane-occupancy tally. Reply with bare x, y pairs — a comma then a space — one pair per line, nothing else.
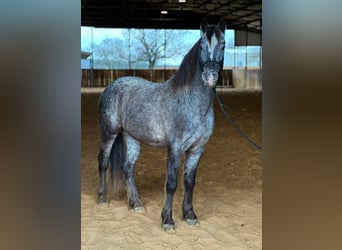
137, 205
192, 222
170, 228
139, 209
101, 201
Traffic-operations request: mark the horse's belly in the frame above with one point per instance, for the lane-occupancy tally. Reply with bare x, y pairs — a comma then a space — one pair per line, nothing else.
147, 131
150, 139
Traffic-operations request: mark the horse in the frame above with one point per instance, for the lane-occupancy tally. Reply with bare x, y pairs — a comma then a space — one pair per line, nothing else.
176, 114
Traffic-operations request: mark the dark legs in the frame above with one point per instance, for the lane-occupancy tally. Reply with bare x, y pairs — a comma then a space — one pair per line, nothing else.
191, 163
190, 167
103, 157
171, 185
174, 156
132, 154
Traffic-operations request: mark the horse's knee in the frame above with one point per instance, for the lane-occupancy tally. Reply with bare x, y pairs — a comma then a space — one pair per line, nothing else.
171, 186
189, 182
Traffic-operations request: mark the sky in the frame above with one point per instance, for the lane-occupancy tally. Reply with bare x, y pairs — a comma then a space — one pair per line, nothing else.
98, 35
101, 33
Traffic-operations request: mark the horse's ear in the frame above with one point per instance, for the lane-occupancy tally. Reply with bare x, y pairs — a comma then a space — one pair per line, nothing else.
204, 26
222, 25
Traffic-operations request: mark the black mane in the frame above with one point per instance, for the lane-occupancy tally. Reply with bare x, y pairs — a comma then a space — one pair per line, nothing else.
186, 72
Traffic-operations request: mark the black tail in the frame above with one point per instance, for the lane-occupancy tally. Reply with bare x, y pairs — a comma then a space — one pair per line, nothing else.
117, 173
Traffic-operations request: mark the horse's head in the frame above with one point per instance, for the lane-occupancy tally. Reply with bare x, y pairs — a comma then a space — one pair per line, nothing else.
212, 51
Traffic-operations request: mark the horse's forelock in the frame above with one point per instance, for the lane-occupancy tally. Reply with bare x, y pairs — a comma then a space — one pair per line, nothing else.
213, 29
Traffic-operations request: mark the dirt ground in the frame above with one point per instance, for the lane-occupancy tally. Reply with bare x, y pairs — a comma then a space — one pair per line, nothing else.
227, 195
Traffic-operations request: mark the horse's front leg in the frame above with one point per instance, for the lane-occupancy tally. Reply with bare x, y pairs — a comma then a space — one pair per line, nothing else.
171, 186
190, 167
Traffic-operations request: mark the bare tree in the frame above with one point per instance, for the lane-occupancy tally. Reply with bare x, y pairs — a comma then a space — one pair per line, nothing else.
141, 48
151, 47
126, 48
114, 53
105, 53
155, 45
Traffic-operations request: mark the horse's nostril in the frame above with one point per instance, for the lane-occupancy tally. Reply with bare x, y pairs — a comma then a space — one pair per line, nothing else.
211, 74
215, 75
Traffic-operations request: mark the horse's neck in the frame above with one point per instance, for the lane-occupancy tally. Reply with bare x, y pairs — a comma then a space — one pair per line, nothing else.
196, 94
199, 89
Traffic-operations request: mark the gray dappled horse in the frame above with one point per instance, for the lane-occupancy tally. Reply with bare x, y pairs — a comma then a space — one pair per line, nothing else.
177, 114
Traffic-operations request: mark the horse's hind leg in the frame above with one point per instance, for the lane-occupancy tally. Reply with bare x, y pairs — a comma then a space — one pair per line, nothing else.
190, 167
103, 158
132, 154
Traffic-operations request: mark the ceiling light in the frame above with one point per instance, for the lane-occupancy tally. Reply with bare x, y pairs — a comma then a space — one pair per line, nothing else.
164, 12
181, 1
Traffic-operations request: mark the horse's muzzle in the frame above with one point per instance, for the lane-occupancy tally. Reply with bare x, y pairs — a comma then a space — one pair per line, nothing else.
210, 78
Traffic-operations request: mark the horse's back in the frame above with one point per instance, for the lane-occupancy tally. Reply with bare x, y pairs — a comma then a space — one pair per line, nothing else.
124, 87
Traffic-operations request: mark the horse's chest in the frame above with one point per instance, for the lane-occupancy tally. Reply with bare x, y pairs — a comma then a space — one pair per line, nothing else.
195, 124
191, 131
